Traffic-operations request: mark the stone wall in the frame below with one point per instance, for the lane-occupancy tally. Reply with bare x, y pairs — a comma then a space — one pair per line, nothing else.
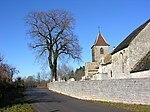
133, 91
91, 68
139, 47
120, 64
96, 56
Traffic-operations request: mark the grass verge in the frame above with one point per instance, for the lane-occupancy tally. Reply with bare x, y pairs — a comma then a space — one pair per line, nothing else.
17, 108
132, 107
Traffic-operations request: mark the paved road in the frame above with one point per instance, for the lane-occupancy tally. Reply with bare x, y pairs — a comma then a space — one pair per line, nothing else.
43, 100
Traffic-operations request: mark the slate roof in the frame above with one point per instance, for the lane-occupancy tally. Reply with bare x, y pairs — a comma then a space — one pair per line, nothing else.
125, 43
143, 64
100, 41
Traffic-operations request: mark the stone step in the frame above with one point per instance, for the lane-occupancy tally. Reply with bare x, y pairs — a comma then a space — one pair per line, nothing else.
93, 70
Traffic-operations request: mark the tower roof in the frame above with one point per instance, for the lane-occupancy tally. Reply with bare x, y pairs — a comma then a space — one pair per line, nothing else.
100, 41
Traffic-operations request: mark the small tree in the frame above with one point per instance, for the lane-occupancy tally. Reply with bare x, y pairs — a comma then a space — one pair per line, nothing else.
12, 72
65, 71
19, 82
6, 71
52, 34
38, 77
30, 81
79, 73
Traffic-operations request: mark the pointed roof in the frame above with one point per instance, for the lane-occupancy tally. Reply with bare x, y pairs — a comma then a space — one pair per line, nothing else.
100, 41
128, 40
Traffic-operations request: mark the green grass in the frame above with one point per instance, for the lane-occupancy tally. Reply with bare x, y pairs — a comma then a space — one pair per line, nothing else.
133, 107
17, 108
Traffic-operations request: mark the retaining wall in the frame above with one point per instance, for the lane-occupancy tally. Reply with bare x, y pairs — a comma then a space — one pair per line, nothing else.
132, 91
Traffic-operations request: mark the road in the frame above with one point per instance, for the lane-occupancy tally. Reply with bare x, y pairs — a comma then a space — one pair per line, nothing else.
43, 100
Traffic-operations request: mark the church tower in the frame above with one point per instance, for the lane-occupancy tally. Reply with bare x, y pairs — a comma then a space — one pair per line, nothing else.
99, 49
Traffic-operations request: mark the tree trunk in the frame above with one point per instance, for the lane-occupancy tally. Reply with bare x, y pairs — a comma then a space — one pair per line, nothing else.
53, 74
53, 68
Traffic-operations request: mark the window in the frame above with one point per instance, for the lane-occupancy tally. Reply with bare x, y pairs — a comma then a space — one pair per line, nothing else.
111, 73
101, 51
121, 62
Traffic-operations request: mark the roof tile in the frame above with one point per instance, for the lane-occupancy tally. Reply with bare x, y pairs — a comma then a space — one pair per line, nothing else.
100, 41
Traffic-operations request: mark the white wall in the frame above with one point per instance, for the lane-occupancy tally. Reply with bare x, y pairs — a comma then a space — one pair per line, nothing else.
142, 74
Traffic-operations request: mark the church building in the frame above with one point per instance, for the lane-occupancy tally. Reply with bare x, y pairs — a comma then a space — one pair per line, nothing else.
99, 49
130, 59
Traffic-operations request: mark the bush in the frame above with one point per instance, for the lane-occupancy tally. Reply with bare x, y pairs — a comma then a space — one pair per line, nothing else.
9, 94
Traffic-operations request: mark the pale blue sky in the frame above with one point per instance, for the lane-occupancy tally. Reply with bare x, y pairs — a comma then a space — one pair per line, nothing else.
116, 18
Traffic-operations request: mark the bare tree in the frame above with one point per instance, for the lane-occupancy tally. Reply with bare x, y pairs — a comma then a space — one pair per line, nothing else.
38, 77
64, 70
52, 34
30, 81
44, 76
12, 71
7, 71
1, 58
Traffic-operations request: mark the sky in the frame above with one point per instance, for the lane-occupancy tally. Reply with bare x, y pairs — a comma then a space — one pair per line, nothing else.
116, 19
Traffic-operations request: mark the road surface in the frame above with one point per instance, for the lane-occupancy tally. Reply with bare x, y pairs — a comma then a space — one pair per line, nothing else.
43, 100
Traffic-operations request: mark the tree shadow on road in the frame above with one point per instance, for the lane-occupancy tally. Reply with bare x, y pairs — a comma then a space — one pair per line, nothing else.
55, 111
42, 96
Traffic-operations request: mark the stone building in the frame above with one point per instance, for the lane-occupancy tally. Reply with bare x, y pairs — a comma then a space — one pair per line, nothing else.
127, 60
99, 51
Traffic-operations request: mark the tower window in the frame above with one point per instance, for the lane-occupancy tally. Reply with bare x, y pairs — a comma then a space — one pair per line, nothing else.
101, 51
